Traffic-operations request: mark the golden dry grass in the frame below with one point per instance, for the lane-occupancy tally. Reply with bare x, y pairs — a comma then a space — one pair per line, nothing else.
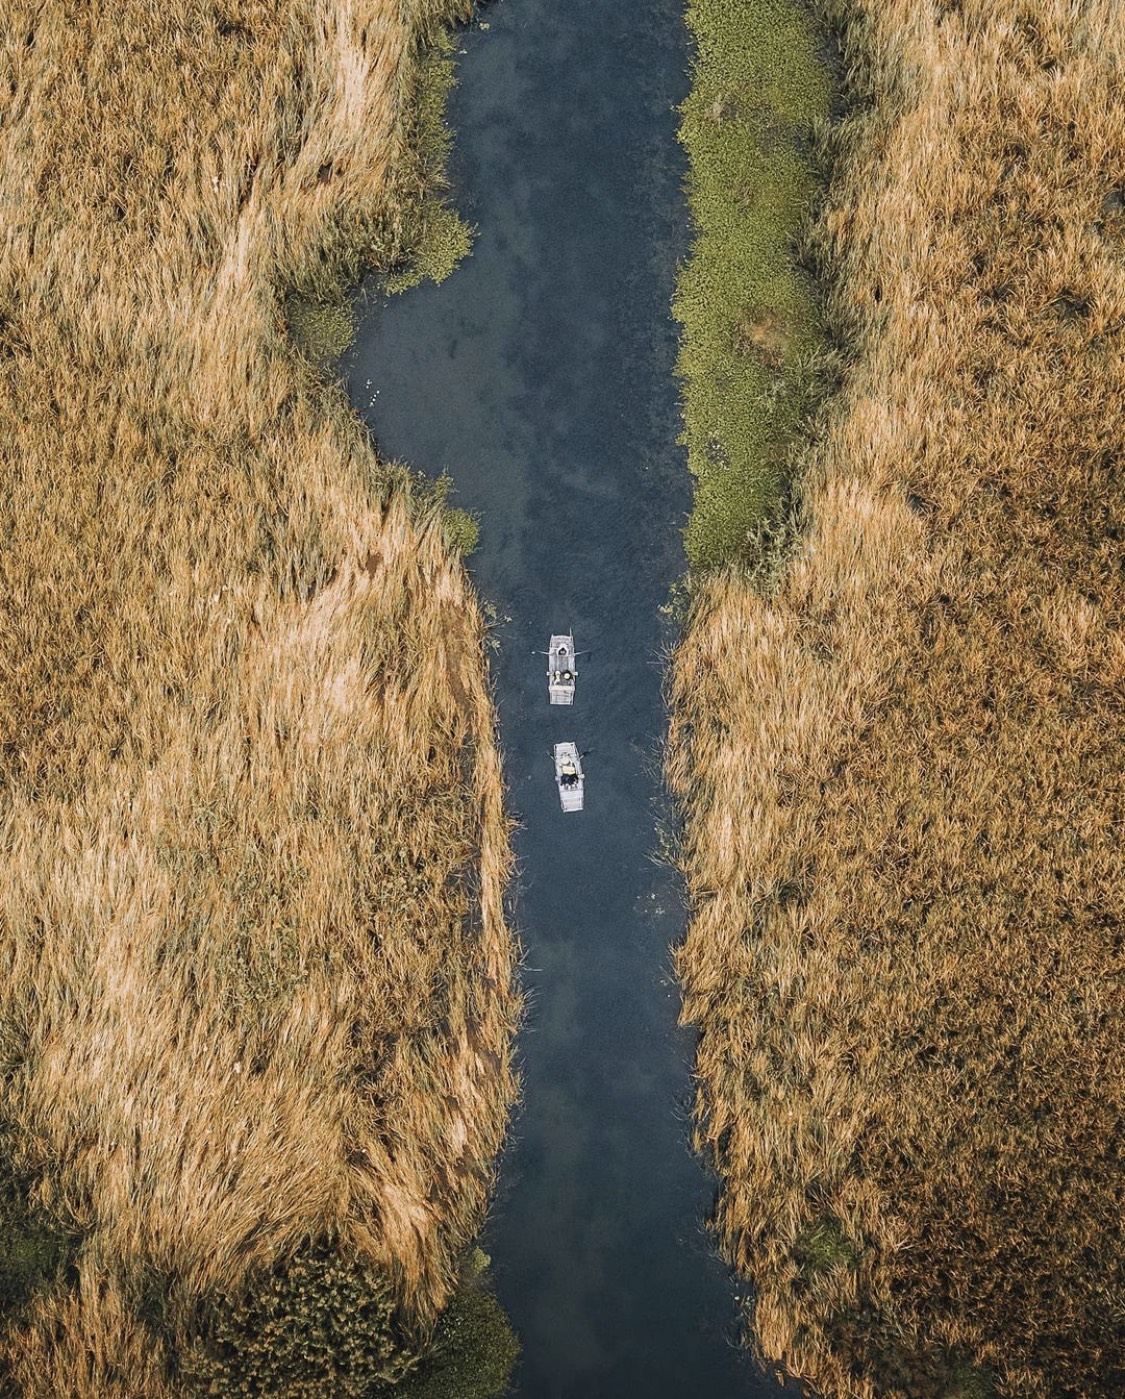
901, 769
259, 984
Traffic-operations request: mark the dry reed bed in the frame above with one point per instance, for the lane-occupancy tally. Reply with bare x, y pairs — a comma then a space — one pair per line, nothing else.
259, 983
901, 770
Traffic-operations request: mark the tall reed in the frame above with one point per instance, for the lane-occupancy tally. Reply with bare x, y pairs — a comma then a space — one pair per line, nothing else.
900, 766
258, 986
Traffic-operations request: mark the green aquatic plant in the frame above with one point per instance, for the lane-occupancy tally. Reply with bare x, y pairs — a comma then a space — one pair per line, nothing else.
462, 530
322, 327
474, 1349
444, 239
438, 238
751, 328
322, 1326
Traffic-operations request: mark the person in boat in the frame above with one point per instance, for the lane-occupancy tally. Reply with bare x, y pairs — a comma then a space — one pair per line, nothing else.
568, 777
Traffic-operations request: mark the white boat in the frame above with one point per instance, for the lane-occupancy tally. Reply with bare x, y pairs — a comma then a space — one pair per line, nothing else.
569, 776
561, 673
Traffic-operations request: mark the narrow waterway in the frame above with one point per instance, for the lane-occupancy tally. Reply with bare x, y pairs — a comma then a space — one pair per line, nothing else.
540, 376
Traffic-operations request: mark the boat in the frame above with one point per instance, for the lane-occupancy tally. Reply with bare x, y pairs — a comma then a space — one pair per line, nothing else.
561, 673
569, 776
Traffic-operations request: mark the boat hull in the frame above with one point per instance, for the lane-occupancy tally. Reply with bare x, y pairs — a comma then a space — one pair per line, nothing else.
561, 673
569, 777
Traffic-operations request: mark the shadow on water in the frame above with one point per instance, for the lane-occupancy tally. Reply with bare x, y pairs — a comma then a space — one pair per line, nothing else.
541, 377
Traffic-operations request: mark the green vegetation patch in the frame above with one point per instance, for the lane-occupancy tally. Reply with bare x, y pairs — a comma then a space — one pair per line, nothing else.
316, 1325
429, 497
439, 238
965, 1380
474, 1350
322, 328
321, 1326
462, 529
823, 1246
35, 1248
751, 329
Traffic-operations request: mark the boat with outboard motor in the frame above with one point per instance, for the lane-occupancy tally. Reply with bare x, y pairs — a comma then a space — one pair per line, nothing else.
569, 776
561, 673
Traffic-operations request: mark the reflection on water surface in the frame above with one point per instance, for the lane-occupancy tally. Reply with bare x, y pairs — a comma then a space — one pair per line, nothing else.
540, 376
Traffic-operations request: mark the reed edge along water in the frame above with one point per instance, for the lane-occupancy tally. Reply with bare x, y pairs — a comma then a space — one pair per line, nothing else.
256, 1019
540, 377
897, 745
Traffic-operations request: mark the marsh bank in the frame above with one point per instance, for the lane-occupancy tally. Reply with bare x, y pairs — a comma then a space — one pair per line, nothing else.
541, 378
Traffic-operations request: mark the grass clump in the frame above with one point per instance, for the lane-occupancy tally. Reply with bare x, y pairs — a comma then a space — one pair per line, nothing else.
440, 238
900, 766
821, 1246
462, 530
426, 238
322, 328
751, 328
258, 984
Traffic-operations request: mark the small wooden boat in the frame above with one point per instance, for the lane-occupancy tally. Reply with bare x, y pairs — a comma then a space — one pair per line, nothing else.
569, 776
561, 673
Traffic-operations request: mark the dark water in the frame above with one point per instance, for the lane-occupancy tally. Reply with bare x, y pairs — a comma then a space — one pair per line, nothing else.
540, 376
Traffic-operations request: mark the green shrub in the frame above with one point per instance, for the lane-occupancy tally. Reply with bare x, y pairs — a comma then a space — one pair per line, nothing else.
320, 1326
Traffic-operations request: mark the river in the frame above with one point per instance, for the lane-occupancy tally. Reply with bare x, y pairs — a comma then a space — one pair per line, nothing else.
541, 377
